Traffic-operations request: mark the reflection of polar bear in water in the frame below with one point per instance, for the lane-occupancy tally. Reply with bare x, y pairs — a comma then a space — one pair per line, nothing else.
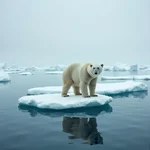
82, 128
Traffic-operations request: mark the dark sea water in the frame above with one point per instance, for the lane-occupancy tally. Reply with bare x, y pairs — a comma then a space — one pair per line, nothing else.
124, 124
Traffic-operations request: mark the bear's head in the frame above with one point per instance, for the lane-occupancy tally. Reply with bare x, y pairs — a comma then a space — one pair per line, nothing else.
94, 70
95, 138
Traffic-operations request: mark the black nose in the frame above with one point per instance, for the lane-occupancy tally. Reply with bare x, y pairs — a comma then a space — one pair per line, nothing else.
95, 72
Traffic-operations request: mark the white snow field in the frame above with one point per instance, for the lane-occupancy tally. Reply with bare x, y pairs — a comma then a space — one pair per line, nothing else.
56, 101
101, 88
133, 77
4, 77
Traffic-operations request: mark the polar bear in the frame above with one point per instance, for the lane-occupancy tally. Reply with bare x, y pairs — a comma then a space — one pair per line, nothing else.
80, 77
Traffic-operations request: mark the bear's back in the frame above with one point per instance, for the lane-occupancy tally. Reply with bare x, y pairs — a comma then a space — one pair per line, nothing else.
72, 73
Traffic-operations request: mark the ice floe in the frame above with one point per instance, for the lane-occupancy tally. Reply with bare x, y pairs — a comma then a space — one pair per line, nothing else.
56, 101
101, 88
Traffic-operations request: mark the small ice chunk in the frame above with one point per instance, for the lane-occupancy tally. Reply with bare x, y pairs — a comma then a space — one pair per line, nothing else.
4, 77
3, 66
56, 101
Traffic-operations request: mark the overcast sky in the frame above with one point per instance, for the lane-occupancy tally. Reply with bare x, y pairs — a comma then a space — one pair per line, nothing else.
47, 32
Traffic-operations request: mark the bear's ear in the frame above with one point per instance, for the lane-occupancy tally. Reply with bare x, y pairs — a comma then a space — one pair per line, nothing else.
102, 65
91, 65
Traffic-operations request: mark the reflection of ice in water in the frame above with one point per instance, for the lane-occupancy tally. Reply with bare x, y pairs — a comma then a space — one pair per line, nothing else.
3, 84
75, 121
82, 112
82, 128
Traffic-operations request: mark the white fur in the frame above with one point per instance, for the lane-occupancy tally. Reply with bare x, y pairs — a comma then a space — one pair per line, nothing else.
91, 70
81, 76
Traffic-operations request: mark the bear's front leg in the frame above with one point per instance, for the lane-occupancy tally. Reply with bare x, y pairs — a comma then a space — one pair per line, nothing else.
92, 87
84, 89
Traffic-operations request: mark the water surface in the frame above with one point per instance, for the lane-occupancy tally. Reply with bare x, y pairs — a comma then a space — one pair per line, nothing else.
122, 125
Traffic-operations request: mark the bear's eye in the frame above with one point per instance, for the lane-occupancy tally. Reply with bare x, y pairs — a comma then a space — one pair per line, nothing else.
90, 65
94, 68
97, 67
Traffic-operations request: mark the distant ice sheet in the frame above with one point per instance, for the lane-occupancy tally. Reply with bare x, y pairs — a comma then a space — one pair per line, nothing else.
117, 67
121, 67
101, 88
56, 101
54, 72
18, 69
55, 68
133, 77
26, 73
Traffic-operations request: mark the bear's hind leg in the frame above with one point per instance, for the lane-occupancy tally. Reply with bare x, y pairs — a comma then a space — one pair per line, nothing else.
65, 88
76, 90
